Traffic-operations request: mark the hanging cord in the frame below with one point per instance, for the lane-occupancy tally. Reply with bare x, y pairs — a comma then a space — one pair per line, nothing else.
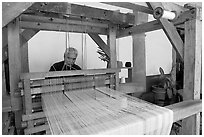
85, 52
68, 40
82, 56
67, 45
65, 40
117, 47
117, 50
85, 49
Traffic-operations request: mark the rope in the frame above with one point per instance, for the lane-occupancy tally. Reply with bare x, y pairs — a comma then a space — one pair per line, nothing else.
84, 49
82, 36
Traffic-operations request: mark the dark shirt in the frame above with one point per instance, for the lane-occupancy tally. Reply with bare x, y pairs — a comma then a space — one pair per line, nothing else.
59, 66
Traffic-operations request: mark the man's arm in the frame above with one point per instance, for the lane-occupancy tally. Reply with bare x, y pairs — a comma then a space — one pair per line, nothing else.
77, 67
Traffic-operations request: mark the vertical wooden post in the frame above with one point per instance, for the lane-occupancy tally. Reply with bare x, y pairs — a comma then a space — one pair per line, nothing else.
14, 67
4, 44
174, 65
28, 100
139, 57
112, 44
24, 58
192, 71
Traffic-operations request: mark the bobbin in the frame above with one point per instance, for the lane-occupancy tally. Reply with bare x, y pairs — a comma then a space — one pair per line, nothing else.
161, 13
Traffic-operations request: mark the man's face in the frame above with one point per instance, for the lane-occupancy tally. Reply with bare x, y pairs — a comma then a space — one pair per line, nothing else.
70, 58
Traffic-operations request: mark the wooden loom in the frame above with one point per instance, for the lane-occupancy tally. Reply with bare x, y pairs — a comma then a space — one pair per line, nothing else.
47, 107
82, 102
18, 30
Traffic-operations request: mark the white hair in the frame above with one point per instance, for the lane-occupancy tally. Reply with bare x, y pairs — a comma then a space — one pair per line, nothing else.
71, 50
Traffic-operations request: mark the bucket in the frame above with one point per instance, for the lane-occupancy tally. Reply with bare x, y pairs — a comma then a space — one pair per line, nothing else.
159, 94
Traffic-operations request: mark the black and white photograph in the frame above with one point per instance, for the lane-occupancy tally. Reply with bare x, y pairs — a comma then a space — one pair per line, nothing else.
101, 68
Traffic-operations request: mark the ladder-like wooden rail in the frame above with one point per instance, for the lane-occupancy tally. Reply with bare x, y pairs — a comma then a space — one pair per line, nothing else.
185, 109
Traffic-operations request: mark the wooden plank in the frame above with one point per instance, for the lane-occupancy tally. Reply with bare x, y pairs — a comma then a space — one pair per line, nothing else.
113, 54
185, 109
4, 43
58, 81
138, 51
4, 37
62, 27
24, 58
198, 6
14, 62
132, 6
192, 71
170, 32
97, 39
6, 120
36, 121
47, 89
173, 37
70, 86
42, 75
27, 34
33, 116
28, 100
187, 15
174, 66
112, 45
35, 18
138, 29
6, 100
36, 129
52, 7
131, 88
84, 11
11, 10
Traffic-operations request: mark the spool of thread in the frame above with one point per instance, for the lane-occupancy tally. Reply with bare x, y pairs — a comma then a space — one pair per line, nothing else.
161, 13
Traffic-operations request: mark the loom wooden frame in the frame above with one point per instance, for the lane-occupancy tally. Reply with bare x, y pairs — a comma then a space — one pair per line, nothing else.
86, 79
15, 41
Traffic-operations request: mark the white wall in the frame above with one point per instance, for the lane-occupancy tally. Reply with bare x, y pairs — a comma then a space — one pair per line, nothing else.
46, 48
158, 53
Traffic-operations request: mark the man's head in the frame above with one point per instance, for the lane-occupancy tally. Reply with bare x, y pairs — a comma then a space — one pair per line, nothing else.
70, 56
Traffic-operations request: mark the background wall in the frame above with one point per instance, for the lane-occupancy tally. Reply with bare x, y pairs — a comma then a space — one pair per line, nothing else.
46, 48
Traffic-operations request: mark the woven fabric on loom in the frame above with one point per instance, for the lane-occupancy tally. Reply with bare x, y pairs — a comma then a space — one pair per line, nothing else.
89, 111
